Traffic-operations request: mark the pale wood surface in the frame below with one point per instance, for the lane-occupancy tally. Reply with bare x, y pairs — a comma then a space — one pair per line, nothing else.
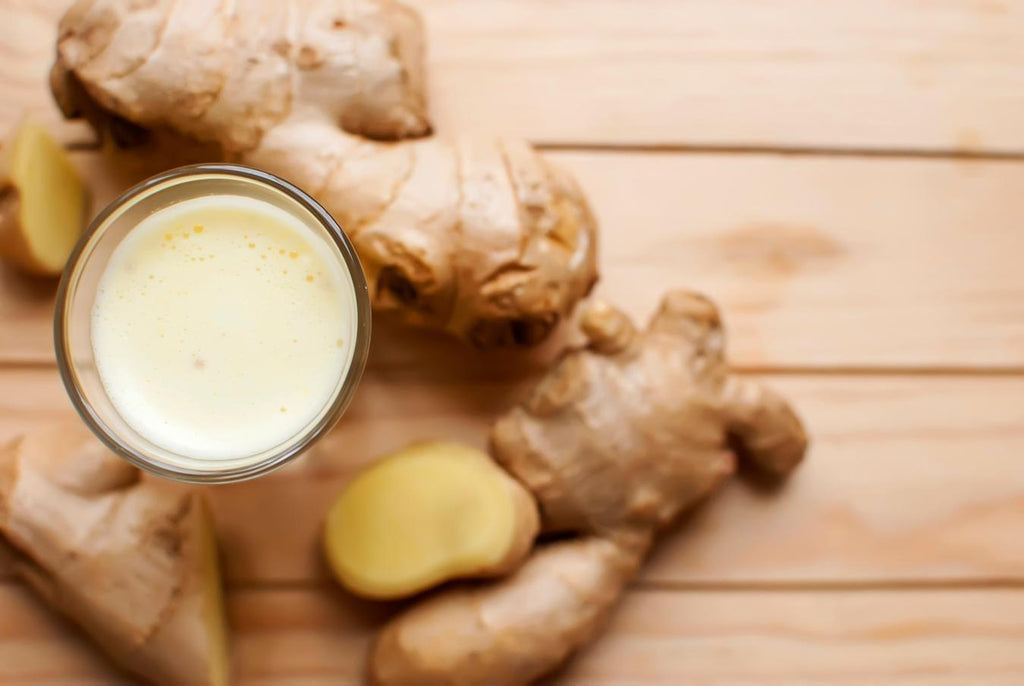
658, 637
880, 74
818, 262
881, 292
911, 479
787, 73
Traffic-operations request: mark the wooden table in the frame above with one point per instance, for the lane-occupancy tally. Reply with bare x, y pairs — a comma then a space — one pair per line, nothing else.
847, 180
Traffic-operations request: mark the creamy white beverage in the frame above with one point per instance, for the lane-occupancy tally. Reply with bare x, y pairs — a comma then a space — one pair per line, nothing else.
222, 327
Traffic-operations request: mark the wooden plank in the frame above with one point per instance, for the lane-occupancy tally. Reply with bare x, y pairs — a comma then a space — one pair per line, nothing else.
822, 263
26, 52
27, 45
320, 636
868, 74
818, 263
946, 637
857, 74
910, 479
37, 647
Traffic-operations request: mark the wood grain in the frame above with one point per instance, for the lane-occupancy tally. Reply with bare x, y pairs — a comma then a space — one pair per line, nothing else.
26, 51
788, 73
27, 44
855, 74
319, 636
910, 479
822, 262
818, 263
807, 638
894, 555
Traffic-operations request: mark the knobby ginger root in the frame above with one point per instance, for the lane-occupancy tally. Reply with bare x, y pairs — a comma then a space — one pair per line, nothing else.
426, 514
510, 631
43, 202
133, 562
615, 442
482, 238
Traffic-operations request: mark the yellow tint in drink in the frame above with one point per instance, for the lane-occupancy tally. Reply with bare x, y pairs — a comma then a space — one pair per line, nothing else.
221, 326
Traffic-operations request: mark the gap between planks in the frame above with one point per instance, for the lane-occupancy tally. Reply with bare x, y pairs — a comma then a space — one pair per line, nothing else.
669, 586
653, 637
939, 154
786, 151
660, 586
754, 370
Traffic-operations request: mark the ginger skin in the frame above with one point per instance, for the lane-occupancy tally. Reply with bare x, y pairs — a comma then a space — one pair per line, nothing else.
614, 443
133, 562
482, 238
43, 202
424, 515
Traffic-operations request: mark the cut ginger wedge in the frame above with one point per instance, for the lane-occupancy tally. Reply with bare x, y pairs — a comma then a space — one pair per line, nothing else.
131, 561
424, 515
43, 202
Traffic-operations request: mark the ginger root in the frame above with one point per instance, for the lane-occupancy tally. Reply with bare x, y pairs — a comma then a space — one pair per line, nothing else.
424, 515
511, 631
43, 202
482, 238
614, 443
133, 562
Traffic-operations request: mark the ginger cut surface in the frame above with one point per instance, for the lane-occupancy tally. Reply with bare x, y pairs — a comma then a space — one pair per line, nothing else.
43, 202
424, 515
133, 562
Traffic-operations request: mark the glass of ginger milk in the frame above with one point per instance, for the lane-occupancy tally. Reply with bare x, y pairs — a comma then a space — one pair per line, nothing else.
212, 323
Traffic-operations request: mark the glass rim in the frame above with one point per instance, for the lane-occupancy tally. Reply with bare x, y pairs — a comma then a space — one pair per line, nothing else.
338, 403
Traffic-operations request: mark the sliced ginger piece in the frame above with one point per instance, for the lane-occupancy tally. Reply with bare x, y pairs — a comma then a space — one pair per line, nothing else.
192, 644
424, 515
131, 561
43, 202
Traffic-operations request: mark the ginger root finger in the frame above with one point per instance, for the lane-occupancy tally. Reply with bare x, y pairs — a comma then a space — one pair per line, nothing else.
510, 631
482, 238
133, 562
639, 426
767, 431
426, 514
43, 202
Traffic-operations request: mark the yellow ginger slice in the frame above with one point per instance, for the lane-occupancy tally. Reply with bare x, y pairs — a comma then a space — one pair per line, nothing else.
424, 515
